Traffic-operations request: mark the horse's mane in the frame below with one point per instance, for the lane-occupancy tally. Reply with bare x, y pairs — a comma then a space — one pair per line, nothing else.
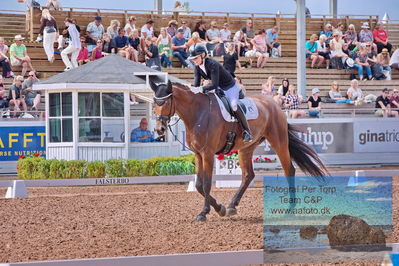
181, 86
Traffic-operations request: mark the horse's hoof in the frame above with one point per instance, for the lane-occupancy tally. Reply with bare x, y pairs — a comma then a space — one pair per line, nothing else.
222, 211
231, 212
201, 218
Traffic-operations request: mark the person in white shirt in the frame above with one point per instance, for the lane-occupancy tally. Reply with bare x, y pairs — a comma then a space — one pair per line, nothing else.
130, 26
73, 47
354, 93
225, 33
148, 29
186, 30
394, 62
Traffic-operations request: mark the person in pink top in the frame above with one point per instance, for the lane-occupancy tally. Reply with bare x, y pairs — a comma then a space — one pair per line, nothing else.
83, 56
97, 52
380, 36
395, 99
259, 44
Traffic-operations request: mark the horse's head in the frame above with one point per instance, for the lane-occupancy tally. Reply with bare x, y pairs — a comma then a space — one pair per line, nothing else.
164, 105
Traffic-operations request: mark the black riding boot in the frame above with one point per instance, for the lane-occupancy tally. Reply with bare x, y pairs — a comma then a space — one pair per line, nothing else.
247, 136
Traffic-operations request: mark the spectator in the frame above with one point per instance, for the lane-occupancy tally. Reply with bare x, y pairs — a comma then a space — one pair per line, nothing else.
327, 32
383, 61
186, 30
54, 5
337, 46
151, 54
130, 26
141, 133
64, 37
200, 28
282, 91
179, 9
4, 60
336, 95
97, 52
268, 88
213, 33
49, 31
179, 48
314, 103
383, 105
3, 97
195, 39
136, 45
172, 28
366, 36
249, 29
354, 93
243, 91
148, 29
32, 98
350, 37
394, 62
113, 28
94, 31
108, 46
14, 95
230, 59
225, 33
73, 47
395, 99
292, 102
380, 36
272, 40
240, 40
323, 49
83, 56
340, 29
122, 44
19, 55
361, 63
164, 43
259, 43
311, 52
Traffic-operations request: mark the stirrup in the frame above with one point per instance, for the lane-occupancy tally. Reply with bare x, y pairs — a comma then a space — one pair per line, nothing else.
247, 137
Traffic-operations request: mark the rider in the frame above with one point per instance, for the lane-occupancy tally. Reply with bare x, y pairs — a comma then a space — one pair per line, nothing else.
209, 69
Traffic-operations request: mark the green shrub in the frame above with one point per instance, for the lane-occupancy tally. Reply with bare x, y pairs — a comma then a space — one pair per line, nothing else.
74, 169
115, 168
41, 169
57, 169
95, 169
174, 168
134, 167
24, 168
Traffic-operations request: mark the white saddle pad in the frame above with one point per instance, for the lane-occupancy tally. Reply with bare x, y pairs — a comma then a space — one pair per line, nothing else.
252, 110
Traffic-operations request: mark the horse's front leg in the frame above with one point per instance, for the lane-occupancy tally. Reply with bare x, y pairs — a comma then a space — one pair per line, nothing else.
206, 183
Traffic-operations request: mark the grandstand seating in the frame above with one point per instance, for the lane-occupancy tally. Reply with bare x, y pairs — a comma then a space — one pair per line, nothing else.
252, 77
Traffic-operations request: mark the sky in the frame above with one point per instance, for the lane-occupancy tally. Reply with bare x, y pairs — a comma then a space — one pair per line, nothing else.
358, 7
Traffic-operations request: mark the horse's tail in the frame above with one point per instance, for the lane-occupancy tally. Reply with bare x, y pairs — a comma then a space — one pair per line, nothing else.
304, 156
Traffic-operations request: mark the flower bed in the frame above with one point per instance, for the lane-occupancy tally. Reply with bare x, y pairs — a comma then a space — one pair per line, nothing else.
36, 167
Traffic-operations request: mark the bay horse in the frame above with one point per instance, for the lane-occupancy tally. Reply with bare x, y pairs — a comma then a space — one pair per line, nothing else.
206, 132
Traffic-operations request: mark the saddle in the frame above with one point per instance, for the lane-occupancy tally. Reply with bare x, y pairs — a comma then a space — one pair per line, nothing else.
220, 93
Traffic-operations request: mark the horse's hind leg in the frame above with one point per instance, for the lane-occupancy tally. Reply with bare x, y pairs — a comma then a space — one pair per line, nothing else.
245, 159
205, 174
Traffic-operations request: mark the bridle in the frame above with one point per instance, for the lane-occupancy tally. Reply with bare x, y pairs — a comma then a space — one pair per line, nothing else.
165, 119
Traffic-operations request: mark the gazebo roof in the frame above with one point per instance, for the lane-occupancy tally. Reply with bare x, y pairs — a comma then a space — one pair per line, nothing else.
111, 71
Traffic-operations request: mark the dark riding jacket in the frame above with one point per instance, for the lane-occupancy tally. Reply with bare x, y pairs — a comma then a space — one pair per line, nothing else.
215, 72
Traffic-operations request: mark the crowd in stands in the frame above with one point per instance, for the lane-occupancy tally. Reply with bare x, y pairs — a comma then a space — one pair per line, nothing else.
132, 41
369, 52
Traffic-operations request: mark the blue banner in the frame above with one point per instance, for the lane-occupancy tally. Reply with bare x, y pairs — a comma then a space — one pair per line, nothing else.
18, 141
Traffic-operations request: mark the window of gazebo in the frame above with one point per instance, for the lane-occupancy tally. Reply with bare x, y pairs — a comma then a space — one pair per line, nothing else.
60, 117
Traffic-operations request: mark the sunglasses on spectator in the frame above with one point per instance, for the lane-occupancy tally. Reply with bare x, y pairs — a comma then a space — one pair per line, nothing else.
31, 75
99, 42
368, 45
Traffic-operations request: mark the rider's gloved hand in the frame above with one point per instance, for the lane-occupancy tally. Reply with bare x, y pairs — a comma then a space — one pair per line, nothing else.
196, 90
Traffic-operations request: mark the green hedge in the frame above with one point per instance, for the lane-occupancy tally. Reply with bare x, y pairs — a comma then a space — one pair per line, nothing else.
39, 168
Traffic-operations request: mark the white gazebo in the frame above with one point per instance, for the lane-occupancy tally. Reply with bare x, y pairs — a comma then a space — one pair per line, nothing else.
89, 115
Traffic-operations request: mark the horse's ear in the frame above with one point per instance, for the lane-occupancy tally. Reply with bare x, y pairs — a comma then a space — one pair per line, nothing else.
169, 86
153, 86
